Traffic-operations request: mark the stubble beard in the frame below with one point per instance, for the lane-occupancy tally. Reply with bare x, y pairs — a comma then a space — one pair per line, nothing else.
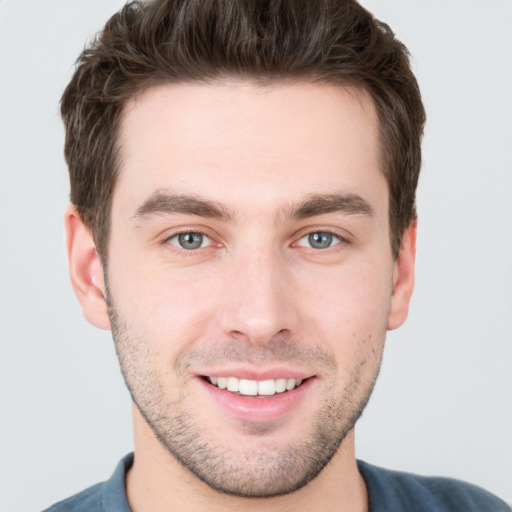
264, 472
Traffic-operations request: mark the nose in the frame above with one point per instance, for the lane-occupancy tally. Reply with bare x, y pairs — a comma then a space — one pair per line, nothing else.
259, 299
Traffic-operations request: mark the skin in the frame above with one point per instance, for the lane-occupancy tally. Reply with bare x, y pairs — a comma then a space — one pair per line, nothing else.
255, 297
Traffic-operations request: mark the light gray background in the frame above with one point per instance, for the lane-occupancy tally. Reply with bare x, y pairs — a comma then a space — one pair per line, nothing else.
444, 401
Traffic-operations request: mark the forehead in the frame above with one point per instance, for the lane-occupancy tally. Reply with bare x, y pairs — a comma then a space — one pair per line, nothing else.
239, 141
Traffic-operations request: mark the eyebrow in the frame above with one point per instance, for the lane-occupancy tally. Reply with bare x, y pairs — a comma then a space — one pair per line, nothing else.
318, 204
163, 202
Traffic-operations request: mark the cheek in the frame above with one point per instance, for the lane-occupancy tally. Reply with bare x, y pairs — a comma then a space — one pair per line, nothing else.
353, 291
166, 307
349, 309
337, 307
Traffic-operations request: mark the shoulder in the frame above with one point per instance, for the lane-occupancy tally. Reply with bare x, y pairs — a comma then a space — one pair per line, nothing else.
396, 491
109, 496
89, 500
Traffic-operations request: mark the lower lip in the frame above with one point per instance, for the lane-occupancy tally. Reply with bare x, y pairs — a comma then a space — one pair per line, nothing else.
258, 409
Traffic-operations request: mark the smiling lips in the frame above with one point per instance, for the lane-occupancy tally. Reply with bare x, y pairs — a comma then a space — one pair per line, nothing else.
262, 401
248, 387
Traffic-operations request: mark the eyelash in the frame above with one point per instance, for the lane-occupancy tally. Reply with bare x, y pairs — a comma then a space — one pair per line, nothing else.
340, 240
336, 245
167, 241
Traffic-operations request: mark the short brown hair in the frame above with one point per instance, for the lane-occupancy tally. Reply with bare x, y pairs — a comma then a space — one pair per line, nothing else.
159, 41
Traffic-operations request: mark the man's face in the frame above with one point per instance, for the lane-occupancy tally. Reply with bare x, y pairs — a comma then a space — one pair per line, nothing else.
250, 247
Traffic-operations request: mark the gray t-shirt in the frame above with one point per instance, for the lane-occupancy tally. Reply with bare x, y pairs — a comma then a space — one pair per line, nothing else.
389, 491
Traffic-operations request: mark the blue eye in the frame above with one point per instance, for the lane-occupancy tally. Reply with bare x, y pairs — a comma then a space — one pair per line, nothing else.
319, 240
190, 240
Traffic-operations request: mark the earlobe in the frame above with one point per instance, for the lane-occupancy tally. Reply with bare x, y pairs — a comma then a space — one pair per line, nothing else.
85, 269
403, 278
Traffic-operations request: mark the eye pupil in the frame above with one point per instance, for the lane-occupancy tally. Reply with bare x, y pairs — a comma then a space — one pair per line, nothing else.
320, 240
190, 240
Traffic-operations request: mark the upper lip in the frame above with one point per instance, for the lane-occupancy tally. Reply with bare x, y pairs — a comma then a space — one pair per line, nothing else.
257, 373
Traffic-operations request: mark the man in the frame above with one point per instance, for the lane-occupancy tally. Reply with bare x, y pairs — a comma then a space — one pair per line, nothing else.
243, 181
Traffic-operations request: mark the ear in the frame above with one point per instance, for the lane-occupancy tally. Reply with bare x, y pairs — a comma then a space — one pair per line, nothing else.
85, 269
403, 278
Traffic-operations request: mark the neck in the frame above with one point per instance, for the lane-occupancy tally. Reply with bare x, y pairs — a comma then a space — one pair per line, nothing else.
158, 483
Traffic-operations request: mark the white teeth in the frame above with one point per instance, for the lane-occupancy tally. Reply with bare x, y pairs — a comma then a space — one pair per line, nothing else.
248, 387
280, 385
267, 387
233, 384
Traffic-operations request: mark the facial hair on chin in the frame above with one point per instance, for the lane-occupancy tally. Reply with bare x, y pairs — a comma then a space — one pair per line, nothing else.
264, 472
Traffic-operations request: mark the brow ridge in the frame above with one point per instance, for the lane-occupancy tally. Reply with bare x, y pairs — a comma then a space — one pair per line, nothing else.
318, 204
162, 202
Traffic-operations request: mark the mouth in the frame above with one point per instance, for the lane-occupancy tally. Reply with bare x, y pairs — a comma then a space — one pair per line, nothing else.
247, 387
260, 401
